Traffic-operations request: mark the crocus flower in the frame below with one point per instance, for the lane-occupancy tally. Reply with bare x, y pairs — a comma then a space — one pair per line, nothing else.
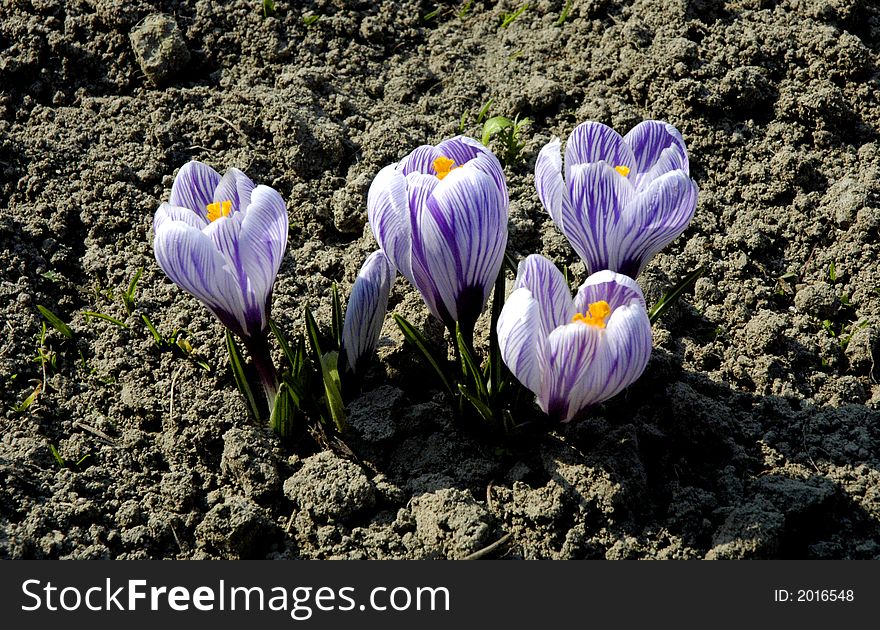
440, 215
366, 309
622, 199
573, 353
222, 239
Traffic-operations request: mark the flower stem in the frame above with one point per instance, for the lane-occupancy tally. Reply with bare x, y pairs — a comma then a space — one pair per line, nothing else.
258, 348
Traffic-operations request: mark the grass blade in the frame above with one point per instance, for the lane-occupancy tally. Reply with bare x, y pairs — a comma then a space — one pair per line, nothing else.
416, 339
27, 402
283, 416
333, 389
477, 404
160, 341
668, 300
282, 341
128, 295
55, 321
471, 370
314, 336
337, 322
106, 318
236, 363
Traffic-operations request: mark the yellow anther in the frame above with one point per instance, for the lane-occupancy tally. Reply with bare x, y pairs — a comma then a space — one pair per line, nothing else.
443, 165
623, 170
596, 314
219, 209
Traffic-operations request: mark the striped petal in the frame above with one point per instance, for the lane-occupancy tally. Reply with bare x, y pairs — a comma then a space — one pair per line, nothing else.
594, 142
366, 309
464, 150
521, 340
650, 139
262, 241
388, 212
459, 236
236, 187
191, 260
571, 352
599, 194
548, 180
420, 160
550, 290
588, 364
167, 212
194, 186
656, 217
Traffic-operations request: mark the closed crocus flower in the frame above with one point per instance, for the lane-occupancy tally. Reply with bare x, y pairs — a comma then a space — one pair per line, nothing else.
440, 215
573, 353
621, 199
366, 309
222, 239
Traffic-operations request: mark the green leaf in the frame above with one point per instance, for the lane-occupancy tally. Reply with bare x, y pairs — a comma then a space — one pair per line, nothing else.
55, 321
160, 341
417, 340
333, 389
282, 341
27, 402
58, 459
494, 347
564, 15
236, 363
470, 369
300, 357
493, 126
106, 318
314, 336
283, 416
128, 295
508, 18
476, 403
674, 294
338, 321
484, 111
268, 8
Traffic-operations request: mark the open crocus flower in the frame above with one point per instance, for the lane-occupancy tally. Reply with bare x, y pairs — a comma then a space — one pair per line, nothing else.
573, 353
366, 309
622, 199
440, 215
222, 239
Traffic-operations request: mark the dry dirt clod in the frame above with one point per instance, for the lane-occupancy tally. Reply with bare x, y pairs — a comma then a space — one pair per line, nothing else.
160, 48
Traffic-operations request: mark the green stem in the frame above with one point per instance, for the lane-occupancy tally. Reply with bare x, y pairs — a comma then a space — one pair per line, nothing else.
261, 355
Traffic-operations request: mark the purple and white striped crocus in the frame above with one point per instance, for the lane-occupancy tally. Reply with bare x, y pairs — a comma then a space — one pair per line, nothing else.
366, 309
440, 215
622, 199
221, 239
573, 353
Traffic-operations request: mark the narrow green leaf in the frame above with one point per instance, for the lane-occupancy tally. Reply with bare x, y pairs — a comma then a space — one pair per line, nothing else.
55, 321
333, 389
300, 357
236, 363
674, 294
128, 295
283, 416
494, 347
58, 459
106, 318
469, 366
337, 323
564, 15
314, 336
416, 339
477, 404
27, 402
484, 111
493, 126
160, 341
282, 342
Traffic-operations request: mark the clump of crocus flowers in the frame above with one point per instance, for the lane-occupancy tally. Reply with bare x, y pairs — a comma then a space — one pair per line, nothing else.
439, 216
